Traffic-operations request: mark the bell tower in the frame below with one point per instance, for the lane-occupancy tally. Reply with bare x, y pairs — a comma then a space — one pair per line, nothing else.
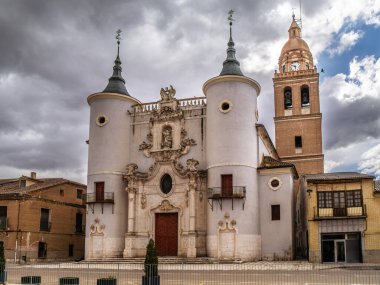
297, 110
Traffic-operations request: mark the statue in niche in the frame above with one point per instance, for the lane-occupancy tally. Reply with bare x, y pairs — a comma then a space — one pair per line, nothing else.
167, 139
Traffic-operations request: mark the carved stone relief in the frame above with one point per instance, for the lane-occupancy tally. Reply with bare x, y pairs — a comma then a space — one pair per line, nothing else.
167, 139
227, 224
97, 229
165, 206
143, 200
192, 164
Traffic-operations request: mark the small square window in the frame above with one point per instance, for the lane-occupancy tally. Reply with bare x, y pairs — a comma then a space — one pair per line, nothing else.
276, 213
42, 250
71, 250
79, 193
62, 192
298, 141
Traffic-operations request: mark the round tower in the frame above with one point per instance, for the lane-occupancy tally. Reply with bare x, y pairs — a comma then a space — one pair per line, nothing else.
233, 228
108, 154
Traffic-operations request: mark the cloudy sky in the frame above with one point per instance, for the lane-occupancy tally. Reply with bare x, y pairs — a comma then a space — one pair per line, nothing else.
54, 53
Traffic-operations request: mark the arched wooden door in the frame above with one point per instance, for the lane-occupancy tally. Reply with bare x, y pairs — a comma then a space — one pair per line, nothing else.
166, 234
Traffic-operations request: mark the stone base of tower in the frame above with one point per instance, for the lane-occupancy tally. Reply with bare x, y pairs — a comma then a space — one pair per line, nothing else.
227, 245
100, 247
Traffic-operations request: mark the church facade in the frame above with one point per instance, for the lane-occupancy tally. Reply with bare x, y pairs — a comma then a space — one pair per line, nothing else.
200, 176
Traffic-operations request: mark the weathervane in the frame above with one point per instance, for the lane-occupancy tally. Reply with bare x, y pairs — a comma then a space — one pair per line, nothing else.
118, 37
299, 20
230, 13
293, 15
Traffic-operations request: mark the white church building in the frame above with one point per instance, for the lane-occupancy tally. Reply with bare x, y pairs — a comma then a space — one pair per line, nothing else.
200, 176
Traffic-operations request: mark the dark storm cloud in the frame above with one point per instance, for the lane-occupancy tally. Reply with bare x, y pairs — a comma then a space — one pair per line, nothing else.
347, 123
55, 53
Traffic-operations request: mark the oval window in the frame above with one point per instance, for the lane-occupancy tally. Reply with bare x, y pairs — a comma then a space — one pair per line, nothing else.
166, 183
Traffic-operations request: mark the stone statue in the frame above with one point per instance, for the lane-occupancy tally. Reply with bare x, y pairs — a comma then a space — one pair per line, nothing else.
131, 169
167, 94
167, 139
192, 164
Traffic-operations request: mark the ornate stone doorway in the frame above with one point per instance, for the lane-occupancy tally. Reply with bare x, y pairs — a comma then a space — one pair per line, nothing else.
166, 234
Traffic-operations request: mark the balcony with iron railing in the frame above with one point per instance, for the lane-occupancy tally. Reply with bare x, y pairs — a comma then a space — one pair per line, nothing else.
80, 229
219, 194
340, 213
3, 223
45, 226
91, 198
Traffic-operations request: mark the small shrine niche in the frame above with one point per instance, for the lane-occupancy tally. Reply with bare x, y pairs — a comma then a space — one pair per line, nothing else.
167, 138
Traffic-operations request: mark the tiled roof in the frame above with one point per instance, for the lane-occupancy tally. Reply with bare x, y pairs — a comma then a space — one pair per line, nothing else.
13, 186
377, 186
270, 162
337, 176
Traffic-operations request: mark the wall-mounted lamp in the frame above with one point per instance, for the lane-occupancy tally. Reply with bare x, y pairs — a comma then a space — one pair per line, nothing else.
309, 191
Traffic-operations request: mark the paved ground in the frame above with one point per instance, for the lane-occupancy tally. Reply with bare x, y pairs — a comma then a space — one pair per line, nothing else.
260, 273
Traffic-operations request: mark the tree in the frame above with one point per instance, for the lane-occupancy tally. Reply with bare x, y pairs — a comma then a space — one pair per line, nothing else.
151, 260
2, 263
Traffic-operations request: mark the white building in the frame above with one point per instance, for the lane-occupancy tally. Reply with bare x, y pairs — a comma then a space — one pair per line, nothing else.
200, 176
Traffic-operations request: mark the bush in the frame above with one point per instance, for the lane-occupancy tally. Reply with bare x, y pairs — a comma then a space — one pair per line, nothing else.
151, 260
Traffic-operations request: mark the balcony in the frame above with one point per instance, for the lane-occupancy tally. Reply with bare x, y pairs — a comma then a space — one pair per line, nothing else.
220, 194
340, 213
45, 226
80, 229
3, 223
91, 198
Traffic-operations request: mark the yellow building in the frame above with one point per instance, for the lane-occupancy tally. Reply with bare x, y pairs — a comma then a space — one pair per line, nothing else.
340, 221
42, 219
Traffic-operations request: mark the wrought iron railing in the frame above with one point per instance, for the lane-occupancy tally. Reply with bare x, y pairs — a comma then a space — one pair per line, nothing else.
340, 213
3, 223
208, 272
106, 197
226, 195
226, 192
80, 229
45, 226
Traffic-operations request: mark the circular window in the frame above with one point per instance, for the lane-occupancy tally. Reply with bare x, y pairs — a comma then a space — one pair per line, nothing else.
225, 106
274, 183
166, 184
101, 120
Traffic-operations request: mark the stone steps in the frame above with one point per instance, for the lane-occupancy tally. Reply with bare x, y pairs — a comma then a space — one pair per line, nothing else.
162, 260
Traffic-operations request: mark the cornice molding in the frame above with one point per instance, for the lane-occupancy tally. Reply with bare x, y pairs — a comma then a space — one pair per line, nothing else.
114, 96
226, 78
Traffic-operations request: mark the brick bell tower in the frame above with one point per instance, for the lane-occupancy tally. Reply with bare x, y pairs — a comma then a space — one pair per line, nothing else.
297, 112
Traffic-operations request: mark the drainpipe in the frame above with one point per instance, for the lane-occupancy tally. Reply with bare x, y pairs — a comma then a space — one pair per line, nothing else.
17, 229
